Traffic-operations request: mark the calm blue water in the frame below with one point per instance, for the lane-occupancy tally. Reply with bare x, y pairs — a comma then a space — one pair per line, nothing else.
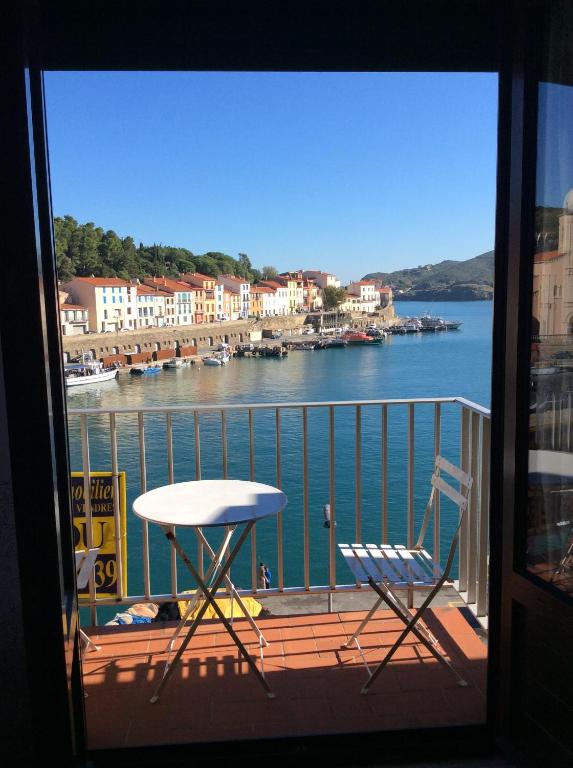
420, 365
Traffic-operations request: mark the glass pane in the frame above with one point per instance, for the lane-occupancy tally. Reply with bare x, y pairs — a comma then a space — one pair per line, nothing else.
550, 507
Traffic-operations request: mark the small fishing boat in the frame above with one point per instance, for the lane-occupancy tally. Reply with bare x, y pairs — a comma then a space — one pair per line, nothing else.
85, 370
218, 359
151, 371
358, 338
175, 362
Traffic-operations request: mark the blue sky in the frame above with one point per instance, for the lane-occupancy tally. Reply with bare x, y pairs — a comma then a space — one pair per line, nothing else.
350, 173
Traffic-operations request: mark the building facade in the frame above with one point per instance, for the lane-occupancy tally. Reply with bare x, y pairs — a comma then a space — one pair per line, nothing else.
111, 303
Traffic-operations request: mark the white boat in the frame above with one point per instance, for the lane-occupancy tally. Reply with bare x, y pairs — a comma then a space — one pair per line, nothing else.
87, 371
219, 359
175, 362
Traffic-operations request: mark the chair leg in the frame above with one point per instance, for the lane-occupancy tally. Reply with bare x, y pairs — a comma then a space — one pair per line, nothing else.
364, 622
89, 643
410, 622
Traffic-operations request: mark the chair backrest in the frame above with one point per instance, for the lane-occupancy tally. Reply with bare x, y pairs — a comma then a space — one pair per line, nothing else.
459, 497
85, 560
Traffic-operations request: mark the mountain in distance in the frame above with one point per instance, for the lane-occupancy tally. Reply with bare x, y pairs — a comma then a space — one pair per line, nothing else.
470, 280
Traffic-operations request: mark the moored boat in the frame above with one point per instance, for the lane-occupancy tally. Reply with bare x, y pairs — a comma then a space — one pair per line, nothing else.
354, 338
86, 370
153, 369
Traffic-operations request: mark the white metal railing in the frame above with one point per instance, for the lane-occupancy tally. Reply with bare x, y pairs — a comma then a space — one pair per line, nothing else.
473, 445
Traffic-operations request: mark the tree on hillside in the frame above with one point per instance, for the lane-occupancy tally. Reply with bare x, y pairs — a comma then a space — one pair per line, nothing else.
269, 273
332, 296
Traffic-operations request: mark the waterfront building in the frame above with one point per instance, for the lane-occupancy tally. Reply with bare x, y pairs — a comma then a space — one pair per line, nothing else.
151, 307
232, 303
73, 319
386, 297
111, 302
220, 313
295, 283
281, 296
312, 298
322, 279
243, 287
256, 302
291, 284
183, 298
206, 284
267, 298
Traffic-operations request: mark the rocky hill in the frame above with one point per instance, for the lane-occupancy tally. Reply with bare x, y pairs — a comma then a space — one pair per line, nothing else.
470, 280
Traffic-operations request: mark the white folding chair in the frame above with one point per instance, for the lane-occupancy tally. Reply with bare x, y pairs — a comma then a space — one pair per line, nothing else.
388, 568
85, 560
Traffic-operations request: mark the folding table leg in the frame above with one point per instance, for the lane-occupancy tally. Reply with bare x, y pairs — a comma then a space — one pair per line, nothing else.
234, 593
209, 576
209, 600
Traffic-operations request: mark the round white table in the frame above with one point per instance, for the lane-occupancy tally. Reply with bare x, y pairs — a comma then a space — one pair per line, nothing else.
208, 504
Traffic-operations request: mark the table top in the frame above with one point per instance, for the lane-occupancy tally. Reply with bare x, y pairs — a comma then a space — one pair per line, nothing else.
204, 503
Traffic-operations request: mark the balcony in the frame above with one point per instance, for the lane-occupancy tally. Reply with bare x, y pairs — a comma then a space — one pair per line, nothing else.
371, 461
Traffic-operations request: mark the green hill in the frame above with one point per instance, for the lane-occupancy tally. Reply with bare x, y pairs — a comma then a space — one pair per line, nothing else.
448, 280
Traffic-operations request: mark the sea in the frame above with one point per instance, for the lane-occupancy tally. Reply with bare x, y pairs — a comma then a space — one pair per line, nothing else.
425, 365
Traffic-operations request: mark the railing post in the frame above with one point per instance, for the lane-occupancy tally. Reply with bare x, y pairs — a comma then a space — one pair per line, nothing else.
473, 511
357, 474
332, 489
465, 465
280, 556
306, 541
483, 548
252, 479
143, 489
411, 459
88, 510
384, 473
119, 538
197, 434
437, 448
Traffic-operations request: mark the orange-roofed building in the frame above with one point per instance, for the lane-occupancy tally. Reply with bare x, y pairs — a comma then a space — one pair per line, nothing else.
111, 302
183, 298
73, 319
242, 285
281, 304
206, 285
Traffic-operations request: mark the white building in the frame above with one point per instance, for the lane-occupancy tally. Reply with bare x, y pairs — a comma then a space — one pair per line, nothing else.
151, 307
183, 298
268, 299
111, 303
281, 294
322, 279
367, 292
232, 283
73, 319
220, 313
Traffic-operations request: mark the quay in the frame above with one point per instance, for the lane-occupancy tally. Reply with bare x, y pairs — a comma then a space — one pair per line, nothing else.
158, 344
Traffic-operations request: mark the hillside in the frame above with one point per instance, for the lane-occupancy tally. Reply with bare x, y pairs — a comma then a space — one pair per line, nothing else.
447, 281
84, 249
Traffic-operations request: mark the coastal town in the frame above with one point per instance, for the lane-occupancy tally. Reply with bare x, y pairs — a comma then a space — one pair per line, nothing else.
110, 304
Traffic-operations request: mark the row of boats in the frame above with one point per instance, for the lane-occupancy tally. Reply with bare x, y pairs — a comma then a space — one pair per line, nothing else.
425, 323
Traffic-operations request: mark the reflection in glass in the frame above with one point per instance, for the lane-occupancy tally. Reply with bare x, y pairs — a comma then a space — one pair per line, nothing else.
550, 499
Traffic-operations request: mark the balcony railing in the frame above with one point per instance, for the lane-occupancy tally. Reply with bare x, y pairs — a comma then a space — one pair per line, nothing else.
370, 460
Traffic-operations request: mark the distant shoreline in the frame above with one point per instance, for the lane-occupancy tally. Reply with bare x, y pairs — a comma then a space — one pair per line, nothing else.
441, 299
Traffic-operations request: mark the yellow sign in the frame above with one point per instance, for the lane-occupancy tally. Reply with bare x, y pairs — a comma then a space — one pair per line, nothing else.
103, 511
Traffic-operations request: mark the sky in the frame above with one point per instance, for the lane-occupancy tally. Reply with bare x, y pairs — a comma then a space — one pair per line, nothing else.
346, 172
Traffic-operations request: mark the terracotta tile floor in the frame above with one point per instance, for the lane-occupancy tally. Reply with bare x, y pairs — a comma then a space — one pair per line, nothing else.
213, 696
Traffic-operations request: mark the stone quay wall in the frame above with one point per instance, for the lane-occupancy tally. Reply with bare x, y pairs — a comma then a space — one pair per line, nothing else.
204, 336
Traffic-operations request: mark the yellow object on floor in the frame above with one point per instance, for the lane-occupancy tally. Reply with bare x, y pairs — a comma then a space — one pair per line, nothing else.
224, 603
